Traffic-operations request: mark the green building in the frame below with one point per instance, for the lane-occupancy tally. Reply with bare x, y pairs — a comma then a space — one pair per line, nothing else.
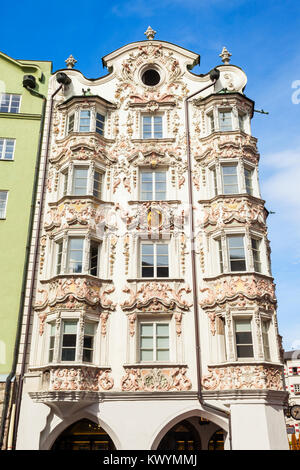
23, 84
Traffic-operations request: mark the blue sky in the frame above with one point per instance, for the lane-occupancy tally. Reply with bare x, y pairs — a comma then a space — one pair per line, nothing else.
263, 37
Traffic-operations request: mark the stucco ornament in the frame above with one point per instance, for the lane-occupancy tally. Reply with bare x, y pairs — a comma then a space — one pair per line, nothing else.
80, 378
231, 287
156, 296
156, 379
243, 377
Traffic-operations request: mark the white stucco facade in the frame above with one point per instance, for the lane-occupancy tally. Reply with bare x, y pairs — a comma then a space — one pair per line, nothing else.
113, 319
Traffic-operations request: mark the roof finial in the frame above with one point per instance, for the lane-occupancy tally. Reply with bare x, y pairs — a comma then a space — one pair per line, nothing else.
70, 62
150, 33
225, 56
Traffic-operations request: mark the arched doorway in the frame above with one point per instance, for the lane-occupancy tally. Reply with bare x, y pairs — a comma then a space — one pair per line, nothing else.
83, 435
183, 436
216, 441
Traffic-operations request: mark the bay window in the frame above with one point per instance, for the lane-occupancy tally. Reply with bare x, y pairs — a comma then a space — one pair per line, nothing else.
94, 258
249, 180
86, 120
75, 255
83, 181
265, 325
230, 179
255, 245
76, 258
74, 342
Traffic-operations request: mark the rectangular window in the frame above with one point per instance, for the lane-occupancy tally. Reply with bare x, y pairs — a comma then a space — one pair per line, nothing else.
100, 119
236, 253
243, 336
9, 103
3, 204
65, 182
230, 179
94, 258
211, 121
297, 389
51, 342
152, 127
215, 182
221, 263
88, 342
155, 260
242, 119
265, 325
71, 121
153, 185
225, 121
80, 179
97, 187
68, 349
256, 254
7, 147
248, 180
75, 255
59, 257
154, 342
84, 121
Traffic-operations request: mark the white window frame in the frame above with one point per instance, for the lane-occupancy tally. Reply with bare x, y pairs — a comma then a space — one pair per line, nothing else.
11, 95
154, 244
152, 116
92, 120
4, 148
249, 319
153, 183
58, 340
3, 212
154, 323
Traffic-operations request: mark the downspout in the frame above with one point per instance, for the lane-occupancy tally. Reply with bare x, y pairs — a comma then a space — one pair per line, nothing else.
12, 373
32, 285
214, 75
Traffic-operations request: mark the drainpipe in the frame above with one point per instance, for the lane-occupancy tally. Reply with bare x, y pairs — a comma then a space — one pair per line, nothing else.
214, 76
32, 285
11, 377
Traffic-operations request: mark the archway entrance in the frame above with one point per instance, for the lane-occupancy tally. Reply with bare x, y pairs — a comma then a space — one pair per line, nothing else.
183, 436
83, 435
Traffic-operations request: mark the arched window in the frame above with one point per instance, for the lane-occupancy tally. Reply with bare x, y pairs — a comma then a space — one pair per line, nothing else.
83, 435
183, 436
217, 441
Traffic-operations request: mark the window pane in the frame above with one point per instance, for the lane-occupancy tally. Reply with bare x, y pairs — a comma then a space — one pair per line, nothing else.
242, 325
225, 122
162, 249
162, 355
146, 355
88, 342
69, 340
162, 343
162, 272
162, 330
68, 354
147, 330
89, 328
147, 343
87, 355
244, 351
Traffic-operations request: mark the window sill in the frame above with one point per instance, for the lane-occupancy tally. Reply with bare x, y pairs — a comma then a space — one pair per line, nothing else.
237, 273
245, 362
230, 196
155, 201
66, 364
162, 140
73, 197
72, 275
156, 279
144, 365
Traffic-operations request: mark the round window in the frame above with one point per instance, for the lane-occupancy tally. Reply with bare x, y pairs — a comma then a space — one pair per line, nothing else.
151, 77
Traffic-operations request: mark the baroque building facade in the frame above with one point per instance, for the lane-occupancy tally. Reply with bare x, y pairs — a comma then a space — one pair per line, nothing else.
150, 320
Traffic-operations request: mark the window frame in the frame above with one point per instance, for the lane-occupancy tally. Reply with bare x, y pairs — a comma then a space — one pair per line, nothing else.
3, 214
10, 102
240, 319
4, 147
155, 336
153, 172
152, 117
225, 111
154, 244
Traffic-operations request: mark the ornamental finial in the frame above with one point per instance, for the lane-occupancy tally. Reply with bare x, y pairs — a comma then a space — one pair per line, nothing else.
70, 62
150, 33
225, 56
